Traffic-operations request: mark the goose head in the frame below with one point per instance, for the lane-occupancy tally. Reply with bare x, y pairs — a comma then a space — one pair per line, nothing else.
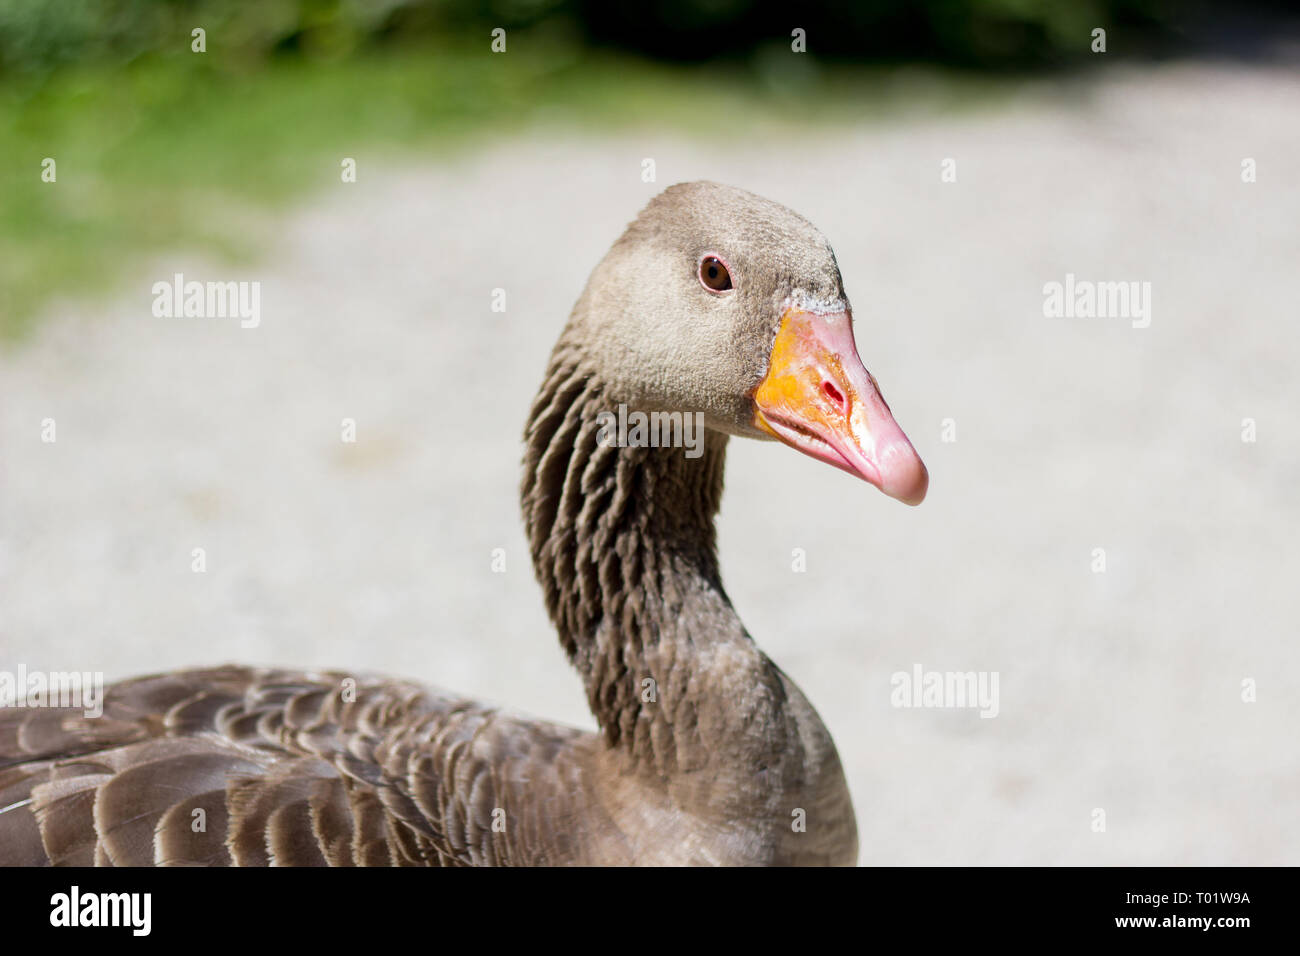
718, 301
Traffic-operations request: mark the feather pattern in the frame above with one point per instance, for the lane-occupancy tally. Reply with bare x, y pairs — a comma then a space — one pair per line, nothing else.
260, 767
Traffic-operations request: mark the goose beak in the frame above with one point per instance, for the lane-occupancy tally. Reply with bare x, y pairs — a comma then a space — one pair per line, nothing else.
818, 397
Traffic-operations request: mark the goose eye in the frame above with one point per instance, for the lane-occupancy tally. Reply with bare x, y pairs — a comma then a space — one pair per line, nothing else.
714, 275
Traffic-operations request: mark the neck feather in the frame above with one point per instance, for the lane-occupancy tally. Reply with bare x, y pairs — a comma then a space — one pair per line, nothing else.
623, 542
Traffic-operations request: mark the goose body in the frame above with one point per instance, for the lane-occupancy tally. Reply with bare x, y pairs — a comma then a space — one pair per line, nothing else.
714, 303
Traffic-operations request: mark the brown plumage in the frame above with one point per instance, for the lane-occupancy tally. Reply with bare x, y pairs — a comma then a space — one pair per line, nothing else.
707, 752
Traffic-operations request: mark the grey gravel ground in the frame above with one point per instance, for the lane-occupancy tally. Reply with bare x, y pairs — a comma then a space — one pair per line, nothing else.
1119, 690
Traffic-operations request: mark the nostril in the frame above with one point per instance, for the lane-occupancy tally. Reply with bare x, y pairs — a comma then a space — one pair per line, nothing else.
834, 395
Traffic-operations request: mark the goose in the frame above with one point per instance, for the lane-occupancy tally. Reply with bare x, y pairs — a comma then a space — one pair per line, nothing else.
714, 303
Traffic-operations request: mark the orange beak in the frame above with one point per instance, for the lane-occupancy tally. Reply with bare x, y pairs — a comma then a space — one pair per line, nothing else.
818, 398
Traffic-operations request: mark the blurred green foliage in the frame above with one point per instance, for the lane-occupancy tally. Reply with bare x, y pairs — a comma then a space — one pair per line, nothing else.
159, 148
40, 35
167, 152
